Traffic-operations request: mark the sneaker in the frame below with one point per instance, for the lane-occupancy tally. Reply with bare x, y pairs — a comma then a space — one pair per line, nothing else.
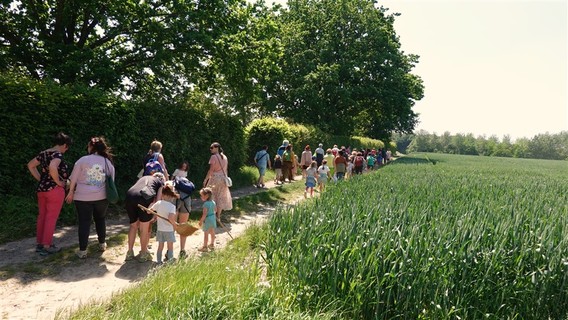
102, 246
49, 250
38, 248
182, 254
82, 254
143, 257
172, 260
129, 255
211, 247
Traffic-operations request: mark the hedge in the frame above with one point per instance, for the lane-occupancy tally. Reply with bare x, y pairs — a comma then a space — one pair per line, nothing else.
33, 112
272, 131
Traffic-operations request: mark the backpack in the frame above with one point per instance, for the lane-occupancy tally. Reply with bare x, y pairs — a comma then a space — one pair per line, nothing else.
153, 166
184, 185
359, 161
281, 150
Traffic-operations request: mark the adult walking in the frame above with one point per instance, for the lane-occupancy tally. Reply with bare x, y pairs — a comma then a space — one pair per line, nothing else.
215, 179
282, 148
145, 191
319, 154
289, 164
262, 161
340, 165
88, 191
50, 190
306, 160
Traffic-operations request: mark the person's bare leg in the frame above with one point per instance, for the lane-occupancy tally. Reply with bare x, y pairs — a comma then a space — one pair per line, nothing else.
132, 235
144, 236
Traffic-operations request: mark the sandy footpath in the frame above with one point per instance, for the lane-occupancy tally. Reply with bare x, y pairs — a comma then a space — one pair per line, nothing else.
29, 295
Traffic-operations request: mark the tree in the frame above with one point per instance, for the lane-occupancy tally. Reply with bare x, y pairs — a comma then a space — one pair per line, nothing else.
245, 59
342, 69
156, 48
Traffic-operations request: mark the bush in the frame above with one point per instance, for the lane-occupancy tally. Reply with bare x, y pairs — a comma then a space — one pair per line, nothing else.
271, 132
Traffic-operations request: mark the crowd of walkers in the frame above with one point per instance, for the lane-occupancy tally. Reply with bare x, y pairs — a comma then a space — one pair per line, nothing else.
320, 166
156, 195
86, 187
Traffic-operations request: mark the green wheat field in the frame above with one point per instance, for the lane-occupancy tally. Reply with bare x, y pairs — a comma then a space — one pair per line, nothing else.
434, 237
429, 236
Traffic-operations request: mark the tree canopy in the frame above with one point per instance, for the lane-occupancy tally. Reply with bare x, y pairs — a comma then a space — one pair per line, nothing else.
343, 69
334, 64
129, 46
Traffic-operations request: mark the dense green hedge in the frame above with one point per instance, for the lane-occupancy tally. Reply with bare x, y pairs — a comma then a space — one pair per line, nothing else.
32, 112
271, 132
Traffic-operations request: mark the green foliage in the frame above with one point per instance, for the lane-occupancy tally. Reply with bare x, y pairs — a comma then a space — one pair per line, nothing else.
542, 146
271, 132
35, 111
343, 71
465, 238
227, 284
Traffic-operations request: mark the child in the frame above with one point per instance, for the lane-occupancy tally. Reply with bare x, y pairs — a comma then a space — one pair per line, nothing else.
165, 234
277, 169
370, 161
324, 174
208, 222
311, 179
181, 171
350, 167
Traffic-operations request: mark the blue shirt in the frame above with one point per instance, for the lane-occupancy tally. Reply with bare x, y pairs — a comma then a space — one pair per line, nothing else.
262, 158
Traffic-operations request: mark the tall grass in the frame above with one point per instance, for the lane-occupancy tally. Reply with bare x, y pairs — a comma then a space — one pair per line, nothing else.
434, 237
228, 284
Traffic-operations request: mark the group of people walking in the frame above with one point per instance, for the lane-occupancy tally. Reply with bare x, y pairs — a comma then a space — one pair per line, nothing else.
155, 190
320, 166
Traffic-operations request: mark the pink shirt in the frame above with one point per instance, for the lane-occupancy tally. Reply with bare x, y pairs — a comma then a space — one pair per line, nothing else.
90, 178
216, 161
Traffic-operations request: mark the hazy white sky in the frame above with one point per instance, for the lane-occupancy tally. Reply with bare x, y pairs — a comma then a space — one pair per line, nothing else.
489, 67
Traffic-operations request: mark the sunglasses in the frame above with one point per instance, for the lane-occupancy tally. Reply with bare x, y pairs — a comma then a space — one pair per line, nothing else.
211, 148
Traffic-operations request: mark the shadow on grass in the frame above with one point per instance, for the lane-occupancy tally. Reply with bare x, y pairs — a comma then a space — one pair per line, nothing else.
416, 160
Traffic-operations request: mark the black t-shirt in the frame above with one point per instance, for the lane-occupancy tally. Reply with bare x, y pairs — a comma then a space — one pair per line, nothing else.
154, 183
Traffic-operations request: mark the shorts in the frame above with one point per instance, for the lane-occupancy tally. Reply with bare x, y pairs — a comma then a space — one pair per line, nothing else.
135, 213
262, 171
184, 206
323, 179
165, 236
310, 182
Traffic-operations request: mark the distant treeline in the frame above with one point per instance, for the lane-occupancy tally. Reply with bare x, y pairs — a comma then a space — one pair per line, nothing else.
541, 146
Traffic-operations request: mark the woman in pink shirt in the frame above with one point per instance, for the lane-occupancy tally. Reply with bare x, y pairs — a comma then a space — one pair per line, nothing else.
88, 191
215, 179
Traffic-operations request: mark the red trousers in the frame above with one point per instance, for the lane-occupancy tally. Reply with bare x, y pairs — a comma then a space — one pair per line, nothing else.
50, 204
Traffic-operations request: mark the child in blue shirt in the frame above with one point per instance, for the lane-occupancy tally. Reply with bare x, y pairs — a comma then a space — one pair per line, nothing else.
208, 221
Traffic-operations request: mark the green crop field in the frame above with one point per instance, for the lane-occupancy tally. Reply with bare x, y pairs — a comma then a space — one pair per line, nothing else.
431, 236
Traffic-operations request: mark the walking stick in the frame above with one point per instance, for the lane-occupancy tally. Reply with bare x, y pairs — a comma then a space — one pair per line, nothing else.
224, 227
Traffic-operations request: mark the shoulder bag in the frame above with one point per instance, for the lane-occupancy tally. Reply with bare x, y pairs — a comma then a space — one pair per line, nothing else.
111, 192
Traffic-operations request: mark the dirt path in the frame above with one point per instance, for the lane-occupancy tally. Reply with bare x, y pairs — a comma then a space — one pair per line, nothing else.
40, 294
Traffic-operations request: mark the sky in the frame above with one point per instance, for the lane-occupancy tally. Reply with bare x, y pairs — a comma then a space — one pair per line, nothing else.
489, 67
